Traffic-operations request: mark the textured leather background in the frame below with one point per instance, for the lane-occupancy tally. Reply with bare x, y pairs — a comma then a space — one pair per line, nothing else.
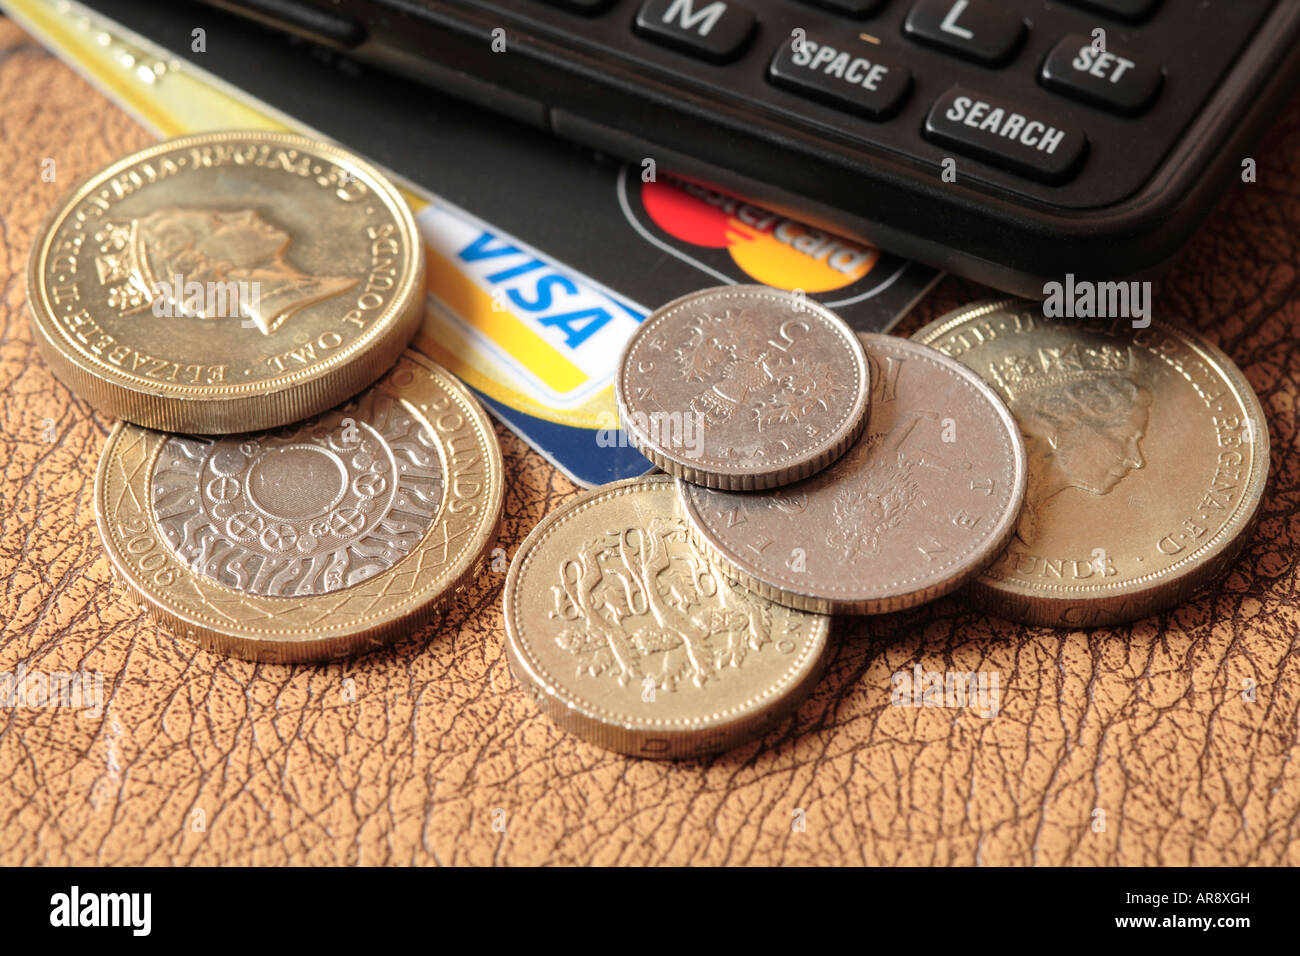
442, 759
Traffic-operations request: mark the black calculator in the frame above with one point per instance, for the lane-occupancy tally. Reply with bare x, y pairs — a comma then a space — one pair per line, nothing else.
1011, 141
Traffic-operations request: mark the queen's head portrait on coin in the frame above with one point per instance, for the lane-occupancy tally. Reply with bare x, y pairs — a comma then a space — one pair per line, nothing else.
1148, 456
1083, 414
148, 264
226, 282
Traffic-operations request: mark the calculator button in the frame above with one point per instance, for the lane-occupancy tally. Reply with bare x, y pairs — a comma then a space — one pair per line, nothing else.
1116, 80
845, 72
1002, 134
714, 30
1123, 9
849, 8
975, 29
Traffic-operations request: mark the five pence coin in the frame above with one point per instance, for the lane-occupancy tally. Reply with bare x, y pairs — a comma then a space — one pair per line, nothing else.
743, 387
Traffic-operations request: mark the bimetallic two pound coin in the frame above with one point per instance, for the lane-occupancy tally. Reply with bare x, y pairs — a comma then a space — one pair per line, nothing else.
924, 501
226, 282
627, 635
743, 387
1148, 456
318, 540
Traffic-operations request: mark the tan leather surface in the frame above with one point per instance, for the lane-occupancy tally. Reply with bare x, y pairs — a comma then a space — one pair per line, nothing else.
1146, 724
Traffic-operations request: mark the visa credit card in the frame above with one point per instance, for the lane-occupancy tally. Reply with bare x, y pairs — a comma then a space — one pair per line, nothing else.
537, 340
549, 326
542, 257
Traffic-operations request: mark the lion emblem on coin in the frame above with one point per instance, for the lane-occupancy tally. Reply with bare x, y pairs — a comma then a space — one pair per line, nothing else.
644, 606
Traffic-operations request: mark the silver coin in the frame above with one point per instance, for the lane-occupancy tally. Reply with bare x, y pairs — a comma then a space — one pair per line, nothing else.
924, 501
743, 387
311, 508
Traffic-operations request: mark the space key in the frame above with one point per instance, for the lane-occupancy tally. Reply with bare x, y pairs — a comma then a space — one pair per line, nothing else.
1002, 134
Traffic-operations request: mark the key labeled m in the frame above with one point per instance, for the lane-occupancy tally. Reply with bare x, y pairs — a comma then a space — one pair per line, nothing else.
683, 12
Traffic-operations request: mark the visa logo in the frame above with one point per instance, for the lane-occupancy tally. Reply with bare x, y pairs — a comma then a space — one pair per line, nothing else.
534, 286
563, 331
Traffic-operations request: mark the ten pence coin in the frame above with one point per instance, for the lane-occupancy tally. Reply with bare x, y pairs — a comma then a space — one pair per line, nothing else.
922, 503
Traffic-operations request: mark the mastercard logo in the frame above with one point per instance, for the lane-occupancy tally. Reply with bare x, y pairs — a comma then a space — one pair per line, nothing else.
768, 247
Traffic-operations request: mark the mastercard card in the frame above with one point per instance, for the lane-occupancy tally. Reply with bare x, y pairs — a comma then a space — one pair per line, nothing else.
543, 257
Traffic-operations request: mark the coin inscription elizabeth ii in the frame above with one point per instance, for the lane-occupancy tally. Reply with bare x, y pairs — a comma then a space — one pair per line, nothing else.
626, 634
742, 387
1148, 457
316, 540
922, 503
226, 282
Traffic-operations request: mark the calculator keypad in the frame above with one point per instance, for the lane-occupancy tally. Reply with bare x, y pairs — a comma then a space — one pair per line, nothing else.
843, 73
1007, 135
876, 80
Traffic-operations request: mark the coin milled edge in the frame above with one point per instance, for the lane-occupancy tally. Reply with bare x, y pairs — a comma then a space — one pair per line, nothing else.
736, 481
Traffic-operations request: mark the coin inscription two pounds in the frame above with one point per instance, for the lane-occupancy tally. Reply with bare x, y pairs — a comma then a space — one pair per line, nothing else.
742, 387
316, 540
226, 282
923, 502
1148, 456
625, 634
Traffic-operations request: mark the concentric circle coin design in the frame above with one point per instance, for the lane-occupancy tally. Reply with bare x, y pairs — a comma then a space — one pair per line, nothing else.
316, 540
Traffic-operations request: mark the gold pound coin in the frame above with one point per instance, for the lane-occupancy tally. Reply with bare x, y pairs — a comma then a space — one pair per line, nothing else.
1148, 456
627, 635
319, 540
226, 282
